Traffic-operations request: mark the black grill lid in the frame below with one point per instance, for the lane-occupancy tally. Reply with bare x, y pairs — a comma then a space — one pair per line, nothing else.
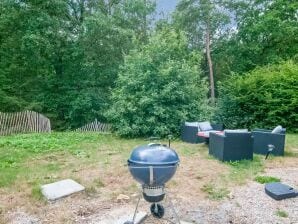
153, 154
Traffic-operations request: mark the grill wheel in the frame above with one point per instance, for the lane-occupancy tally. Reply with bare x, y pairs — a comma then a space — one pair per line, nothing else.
157, 210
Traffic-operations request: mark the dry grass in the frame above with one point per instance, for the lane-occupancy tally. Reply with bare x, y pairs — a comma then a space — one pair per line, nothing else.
99, 165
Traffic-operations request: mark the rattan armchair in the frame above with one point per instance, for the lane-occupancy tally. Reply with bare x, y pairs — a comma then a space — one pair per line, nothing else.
231, 146
263, 138
190, 133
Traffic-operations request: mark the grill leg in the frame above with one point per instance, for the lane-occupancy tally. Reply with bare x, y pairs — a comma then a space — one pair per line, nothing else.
136, 210
135, 213
155, 208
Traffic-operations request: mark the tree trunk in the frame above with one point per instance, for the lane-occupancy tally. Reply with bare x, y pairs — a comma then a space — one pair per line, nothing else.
211, 78
144, 32
82, 10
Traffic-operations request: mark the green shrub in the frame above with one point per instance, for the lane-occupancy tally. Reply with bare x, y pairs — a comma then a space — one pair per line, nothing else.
263, 98
158, 87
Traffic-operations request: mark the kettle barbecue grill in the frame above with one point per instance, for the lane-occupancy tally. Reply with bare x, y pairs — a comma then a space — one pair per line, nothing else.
153, 165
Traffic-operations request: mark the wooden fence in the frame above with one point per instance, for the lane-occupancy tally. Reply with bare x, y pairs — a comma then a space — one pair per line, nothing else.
95, 126
23, 122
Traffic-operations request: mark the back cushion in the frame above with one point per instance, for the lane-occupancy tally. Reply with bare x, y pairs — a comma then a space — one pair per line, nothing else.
277, 130
192, 124
235, 131
205, 126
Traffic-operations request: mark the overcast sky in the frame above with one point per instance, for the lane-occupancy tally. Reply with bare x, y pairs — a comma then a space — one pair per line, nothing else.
165, 7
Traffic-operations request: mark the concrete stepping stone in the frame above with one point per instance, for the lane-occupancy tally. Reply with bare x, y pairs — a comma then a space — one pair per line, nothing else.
124, 218
139, 218
61, 189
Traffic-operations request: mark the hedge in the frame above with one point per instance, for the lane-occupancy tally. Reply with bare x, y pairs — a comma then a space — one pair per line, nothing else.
264, 98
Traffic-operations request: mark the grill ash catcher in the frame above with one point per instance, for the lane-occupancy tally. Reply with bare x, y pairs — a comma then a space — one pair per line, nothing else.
153, 165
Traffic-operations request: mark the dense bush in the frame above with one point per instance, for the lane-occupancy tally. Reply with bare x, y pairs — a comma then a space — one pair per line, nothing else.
263, 98
158, 87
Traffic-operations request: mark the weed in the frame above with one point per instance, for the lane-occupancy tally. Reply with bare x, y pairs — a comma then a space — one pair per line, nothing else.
188, 151
98, 183
291, 153
107, 161
76, 179
266, 179
209, 157
1, 210
245, 169
91, 190
36, 192
281, 213
198, 176
215, 193
81, 154
238, 205
131, 188
172, 183
52, 167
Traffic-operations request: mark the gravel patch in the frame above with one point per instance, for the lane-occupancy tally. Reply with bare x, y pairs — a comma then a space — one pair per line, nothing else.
250, 205
20, 217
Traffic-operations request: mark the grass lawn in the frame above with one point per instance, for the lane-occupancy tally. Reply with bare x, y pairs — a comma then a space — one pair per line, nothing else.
98, 162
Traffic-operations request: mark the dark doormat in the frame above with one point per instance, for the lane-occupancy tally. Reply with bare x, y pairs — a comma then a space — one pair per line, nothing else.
280, 191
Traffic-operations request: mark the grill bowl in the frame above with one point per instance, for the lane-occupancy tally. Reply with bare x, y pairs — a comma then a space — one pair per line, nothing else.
153, 164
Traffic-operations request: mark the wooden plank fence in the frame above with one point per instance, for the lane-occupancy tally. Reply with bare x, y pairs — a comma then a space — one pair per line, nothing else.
95, 126
23, 122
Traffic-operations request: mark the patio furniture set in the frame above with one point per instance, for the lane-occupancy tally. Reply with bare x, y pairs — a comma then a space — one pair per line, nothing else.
233, 145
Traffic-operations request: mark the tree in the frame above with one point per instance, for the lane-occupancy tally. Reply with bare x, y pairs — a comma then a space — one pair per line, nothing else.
266, 33
203, 21
29, 39
62, 57
137, 15
158, 87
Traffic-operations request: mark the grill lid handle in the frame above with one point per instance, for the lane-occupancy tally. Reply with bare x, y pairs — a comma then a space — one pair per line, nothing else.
154, 144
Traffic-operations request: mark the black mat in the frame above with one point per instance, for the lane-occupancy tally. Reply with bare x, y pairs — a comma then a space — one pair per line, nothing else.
280, 191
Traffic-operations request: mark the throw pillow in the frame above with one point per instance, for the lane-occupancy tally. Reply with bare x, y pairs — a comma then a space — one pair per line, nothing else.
205, 126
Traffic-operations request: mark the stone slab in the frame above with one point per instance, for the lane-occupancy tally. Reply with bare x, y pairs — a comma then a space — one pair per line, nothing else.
183, 222
61, 189
124, 218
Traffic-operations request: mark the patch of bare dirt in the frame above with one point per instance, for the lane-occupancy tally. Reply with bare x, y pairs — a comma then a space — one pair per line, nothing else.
20, 217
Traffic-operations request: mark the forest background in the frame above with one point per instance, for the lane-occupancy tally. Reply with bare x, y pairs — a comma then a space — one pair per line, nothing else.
233, 62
